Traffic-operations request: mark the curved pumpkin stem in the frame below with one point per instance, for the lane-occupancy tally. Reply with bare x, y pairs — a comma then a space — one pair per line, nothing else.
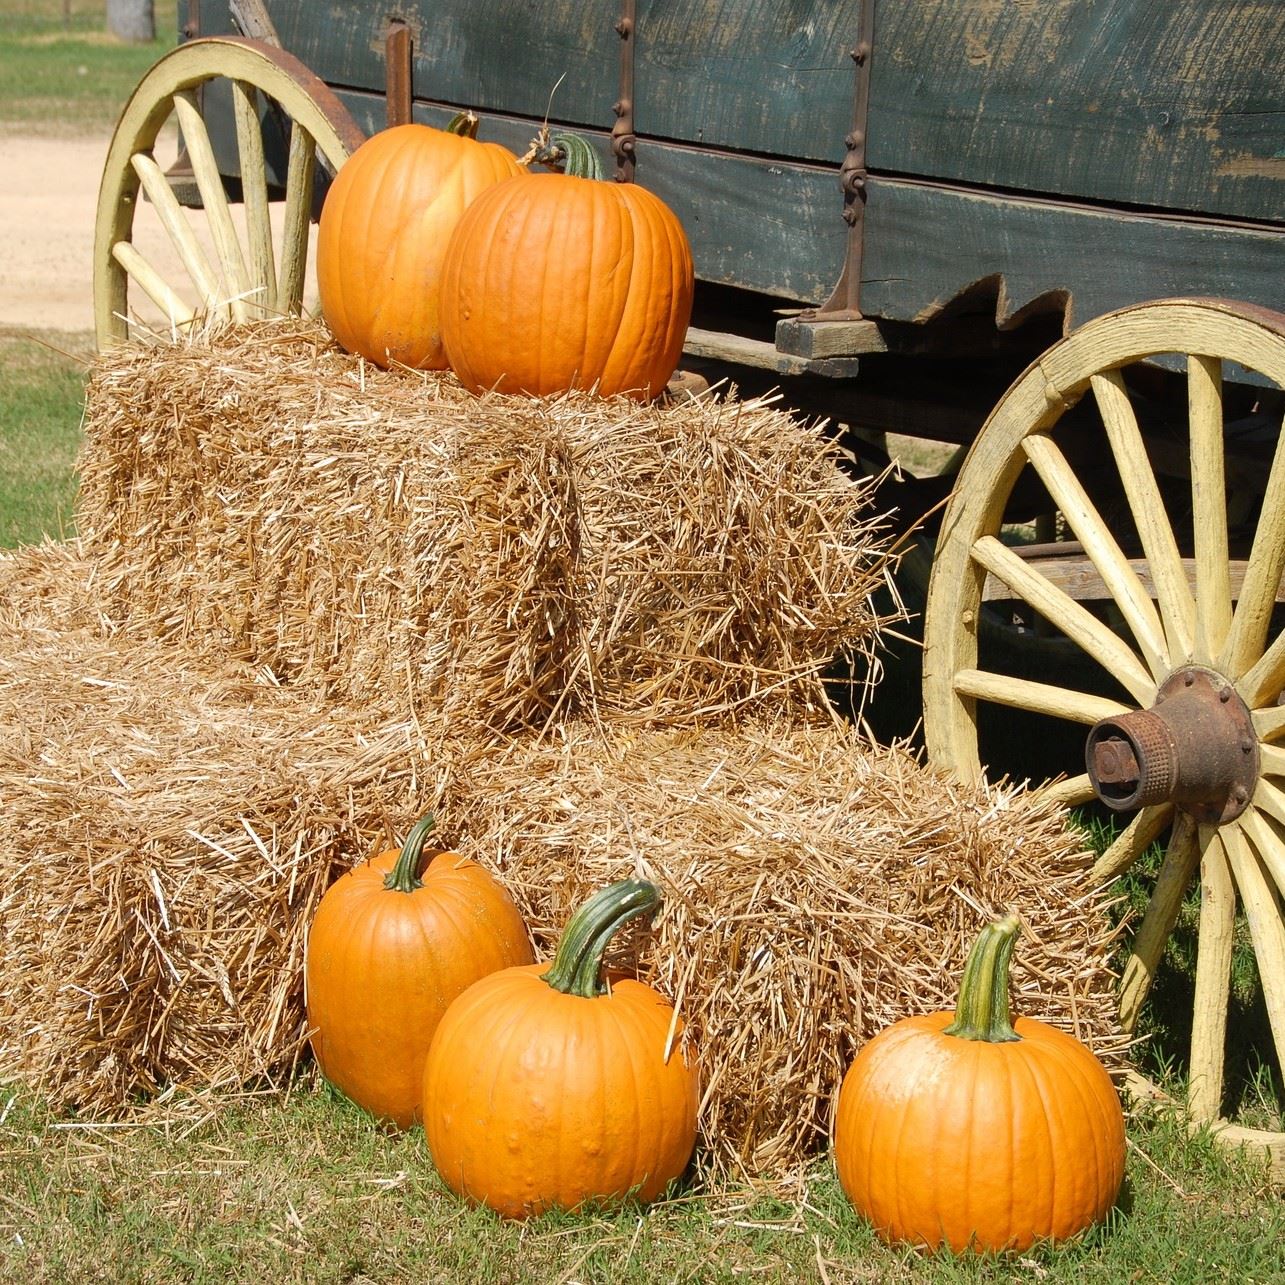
568, 153
577, 963
404, 876
981, 1013
464, 124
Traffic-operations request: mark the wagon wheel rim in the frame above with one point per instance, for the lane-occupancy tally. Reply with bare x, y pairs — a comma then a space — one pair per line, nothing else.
1187, 626
249, 275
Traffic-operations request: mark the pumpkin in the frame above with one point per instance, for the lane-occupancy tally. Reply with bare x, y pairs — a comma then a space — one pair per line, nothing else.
384, 230
971, 1131
548, 1086
388, 950
554, 281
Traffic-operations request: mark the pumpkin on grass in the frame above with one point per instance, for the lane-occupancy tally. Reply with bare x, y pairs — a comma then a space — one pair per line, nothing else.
971, 1131
556, 281
389, 948
548, 1086
384, 229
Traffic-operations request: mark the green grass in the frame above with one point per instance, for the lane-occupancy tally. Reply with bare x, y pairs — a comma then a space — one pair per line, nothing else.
1255, 1088
313, 1190
41, 396
63, 78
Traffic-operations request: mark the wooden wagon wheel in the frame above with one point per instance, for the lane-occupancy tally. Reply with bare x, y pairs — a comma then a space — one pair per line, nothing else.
220, 271
1190, 742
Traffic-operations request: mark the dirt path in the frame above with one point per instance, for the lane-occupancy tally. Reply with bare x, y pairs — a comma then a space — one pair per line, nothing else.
48, 202
47, 205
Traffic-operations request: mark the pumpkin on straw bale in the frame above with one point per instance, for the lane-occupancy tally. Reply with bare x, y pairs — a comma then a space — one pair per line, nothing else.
166, 830
816, 887
393, 540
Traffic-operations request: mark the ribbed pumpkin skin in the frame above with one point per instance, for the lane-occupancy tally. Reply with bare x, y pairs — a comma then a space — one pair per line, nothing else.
554, 282
384, 230
534, 1099
383, 966
939, 1139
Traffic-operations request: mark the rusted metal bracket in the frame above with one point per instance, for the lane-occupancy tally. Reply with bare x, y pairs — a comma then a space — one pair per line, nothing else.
1195, 747
623, 139
845, 301
398, 72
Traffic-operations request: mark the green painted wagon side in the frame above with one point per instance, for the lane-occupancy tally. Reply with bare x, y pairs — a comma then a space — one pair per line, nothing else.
1078, 154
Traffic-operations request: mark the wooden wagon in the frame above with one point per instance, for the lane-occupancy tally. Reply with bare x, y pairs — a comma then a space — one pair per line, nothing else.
1015, 226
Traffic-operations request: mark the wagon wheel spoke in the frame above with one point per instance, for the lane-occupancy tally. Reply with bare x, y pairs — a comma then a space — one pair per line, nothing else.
1040, 698
1121, 580
1256, 850
1268, 723
1181, 858
1243, 653
193, 257
1146, 505
1067, 793
1065, 614
206, 169
1209, 506
1269, 803
153, 284
1272, 760
299, 177
238, 272
254, 191
1214, 943
1141, 832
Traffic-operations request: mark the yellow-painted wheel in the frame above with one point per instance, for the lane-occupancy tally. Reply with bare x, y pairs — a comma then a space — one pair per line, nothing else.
1168, 523
210, 263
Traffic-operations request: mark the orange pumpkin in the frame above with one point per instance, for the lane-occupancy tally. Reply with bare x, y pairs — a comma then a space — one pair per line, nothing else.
387, 953
562, 280
973, 1132
545, 1087
384, 230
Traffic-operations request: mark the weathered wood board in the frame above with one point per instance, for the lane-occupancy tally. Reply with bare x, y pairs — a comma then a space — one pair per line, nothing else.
771, 77
1171, 103
767, 76
925, 243
539, 57
1027, 142
758, 224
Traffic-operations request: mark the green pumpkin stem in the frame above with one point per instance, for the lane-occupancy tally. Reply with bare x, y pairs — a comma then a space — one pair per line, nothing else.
981, 1013
464, 124
404, 876
577, 963
568, 153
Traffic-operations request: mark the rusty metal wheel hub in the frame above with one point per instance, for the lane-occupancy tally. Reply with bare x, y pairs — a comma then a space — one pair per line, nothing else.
1195, 747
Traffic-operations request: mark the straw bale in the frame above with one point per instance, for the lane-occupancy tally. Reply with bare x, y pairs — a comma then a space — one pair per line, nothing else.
51, 585
389, 538
166, 830
817, 889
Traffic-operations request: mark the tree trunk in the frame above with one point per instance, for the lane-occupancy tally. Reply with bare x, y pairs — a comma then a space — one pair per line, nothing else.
132, 20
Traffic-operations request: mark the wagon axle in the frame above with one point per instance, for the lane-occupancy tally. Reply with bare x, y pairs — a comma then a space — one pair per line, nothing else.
1195, 748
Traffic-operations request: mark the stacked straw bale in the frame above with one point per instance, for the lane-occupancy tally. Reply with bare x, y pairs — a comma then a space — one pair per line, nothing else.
391, 539
165, 833
311, 597
817, 889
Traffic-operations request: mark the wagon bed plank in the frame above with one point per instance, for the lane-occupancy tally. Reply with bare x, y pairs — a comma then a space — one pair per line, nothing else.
1177, 104
926, 243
